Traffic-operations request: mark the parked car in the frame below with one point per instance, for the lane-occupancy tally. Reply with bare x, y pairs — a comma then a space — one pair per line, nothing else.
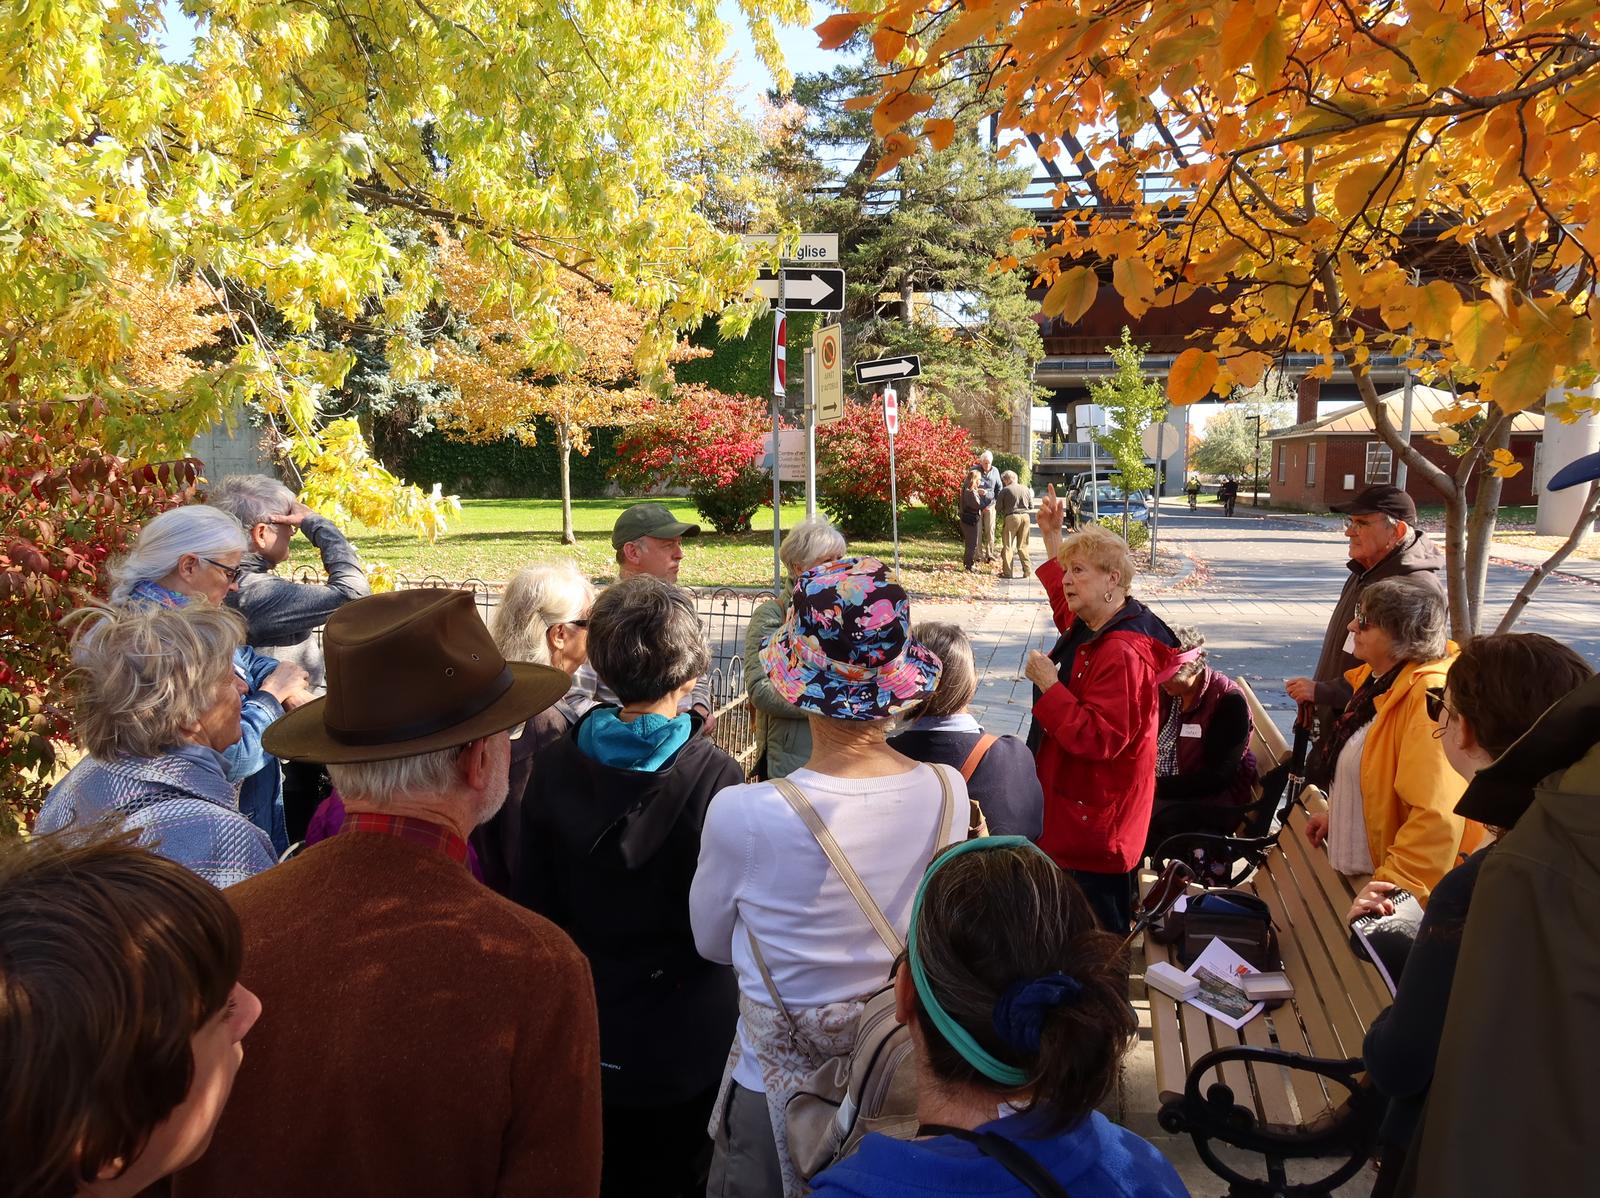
1110, 502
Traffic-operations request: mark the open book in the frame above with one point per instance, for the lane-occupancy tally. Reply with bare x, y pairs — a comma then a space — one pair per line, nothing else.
1386, 940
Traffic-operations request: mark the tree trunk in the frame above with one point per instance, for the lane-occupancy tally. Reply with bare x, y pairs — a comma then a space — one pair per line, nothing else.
564, 444
1481, 523
905, 301
1586, 519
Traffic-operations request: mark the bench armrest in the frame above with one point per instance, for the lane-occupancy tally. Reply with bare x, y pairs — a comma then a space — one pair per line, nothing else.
1219, 862
1349, 1133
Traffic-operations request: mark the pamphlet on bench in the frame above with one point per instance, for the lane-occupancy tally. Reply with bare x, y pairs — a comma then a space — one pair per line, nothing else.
1218, 970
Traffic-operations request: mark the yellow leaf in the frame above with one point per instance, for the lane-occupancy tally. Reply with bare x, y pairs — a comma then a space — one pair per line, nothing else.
861, 103
1191, 376
1135, 282
1500, 291
1442, 51
1271, 56
939, 131
1445, 436
1523, 380
897, 110
1458, 413
1072, 294
968, 28
1248, 367
839, 28
1436, 306
1478, 333
1365, 188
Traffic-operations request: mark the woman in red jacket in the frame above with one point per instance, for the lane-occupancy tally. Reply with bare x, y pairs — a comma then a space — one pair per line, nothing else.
1095, 716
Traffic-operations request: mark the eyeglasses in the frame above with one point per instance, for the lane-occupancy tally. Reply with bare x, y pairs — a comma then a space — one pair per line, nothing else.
1434, 697
584, 623
232, 572
1363, 622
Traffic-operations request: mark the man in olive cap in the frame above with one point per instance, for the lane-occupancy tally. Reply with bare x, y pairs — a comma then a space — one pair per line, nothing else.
648, 539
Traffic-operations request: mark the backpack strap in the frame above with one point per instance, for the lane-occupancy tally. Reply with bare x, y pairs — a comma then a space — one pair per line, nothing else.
1015, 1159
970, 765
772, 990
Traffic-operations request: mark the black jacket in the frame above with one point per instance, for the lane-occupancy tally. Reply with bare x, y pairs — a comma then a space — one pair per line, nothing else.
1006, 784
608, 855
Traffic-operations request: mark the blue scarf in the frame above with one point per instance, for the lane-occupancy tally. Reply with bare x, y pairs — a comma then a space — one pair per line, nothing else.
646, 744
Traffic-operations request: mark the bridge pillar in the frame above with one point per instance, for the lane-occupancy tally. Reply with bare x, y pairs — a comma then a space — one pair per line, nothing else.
1563, 443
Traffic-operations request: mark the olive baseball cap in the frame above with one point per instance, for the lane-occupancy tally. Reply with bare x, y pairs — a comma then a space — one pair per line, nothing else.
649, 520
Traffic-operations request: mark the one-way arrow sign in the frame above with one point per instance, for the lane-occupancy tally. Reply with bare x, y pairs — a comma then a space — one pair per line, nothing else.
805, 289
906, 366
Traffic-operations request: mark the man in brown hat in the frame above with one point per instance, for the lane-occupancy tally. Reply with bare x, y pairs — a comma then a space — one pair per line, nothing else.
420, 1034
1385, 542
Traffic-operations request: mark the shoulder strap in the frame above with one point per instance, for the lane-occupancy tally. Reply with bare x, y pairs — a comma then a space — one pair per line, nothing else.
772, 989
852, 880
970, 765
1015, 1159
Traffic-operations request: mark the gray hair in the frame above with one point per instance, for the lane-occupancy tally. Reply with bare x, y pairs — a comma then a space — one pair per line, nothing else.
197, 530
1189, 638
535, 601
379, 782
146, 672
645, 640
1413, 616
1008, 477
958, 677
810, 543
986, 456
251, 499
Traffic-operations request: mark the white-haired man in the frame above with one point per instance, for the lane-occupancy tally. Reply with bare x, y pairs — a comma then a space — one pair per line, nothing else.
990, 486
426, 1035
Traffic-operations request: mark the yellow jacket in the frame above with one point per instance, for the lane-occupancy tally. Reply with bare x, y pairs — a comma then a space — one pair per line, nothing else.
1409, 790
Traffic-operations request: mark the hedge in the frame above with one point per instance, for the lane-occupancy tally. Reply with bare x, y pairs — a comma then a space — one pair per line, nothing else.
504, 469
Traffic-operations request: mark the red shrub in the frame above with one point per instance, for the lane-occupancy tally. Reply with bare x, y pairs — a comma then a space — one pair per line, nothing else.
931, 458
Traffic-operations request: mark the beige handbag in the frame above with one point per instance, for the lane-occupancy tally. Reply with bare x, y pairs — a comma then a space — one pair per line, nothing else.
873, 1087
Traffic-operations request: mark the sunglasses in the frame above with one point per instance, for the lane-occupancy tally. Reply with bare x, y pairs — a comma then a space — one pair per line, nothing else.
232, 572
1362, 622
1434, 698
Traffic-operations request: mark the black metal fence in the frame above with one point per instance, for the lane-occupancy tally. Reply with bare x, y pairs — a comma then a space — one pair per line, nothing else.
724, 611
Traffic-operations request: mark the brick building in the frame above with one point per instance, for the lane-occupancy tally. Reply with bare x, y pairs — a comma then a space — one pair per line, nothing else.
1322, 461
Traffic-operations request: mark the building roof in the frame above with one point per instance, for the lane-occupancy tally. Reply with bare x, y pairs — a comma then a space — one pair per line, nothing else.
1426, 403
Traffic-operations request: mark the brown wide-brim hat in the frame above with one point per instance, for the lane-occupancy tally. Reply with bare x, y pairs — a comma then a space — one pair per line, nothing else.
410, 672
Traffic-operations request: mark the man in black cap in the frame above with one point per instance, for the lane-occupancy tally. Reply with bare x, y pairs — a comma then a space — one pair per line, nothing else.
1380, 523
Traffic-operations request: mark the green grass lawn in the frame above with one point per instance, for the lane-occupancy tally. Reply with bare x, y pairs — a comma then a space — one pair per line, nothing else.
493, 538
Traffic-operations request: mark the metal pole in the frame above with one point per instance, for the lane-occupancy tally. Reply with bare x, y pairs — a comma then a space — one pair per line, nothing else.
1094, 481
1155, 514
779, 331
1405, 434
894, 494
811, 432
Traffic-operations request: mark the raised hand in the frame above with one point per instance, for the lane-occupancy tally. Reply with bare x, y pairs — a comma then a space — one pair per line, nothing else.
1052, 512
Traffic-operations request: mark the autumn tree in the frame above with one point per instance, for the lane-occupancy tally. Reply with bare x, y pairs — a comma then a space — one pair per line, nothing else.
1415, 180
1233, 442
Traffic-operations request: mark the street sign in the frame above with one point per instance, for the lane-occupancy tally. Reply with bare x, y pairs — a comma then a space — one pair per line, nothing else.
812, 248
878, 370
891, 411
804, 289
1161, 440
829, 359
780, 355
791, 454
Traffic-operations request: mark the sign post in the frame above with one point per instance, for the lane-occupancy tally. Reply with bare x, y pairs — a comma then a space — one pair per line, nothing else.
825, 385
891, 423
811, 432
1160, 441
780, 332
888, 370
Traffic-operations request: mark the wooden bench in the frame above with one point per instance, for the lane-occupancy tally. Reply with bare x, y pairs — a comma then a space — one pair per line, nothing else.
1287, 1084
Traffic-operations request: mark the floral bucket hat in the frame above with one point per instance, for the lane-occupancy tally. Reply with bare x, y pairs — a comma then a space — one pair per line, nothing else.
846, 650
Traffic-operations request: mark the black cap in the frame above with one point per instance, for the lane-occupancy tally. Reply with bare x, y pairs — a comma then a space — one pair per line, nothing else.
1585, 469
1387, 501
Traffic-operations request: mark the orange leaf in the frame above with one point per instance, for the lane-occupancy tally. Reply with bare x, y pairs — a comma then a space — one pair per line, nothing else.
839, 28
897, 110
887, 44
1191, 376
862, 103
1248, 367
1135, 282
896, 148
940, 132
1072, 294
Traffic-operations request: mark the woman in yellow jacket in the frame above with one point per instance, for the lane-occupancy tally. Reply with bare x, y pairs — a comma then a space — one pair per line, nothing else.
1391, 803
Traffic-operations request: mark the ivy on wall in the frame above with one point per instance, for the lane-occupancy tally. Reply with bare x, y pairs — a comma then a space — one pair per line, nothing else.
498, 469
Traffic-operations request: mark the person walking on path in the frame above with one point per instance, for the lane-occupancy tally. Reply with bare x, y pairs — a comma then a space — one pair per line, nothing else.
971, 513
1015, 506
426, 1036
991, 490
1380, 524
1096, 712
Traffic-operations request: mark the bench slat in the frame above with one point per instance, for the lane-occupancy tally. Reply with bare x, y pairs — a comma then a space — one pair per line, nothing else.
1166, 1036
1272, 1081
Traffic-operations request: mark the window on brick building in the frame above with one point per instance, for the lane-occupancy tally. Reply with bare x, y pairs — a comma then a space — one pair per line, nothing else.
1380, 462
1311, 464
1283, 463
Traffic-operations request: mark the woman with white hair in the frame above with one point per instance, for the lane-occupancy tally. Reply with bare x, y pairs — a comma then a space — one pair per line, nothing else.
543, 618
782, 729
157, 706
192, 554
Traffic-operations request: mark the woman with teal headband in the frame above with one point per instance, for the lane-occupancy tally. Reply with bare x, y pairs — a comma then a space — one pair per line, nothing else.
1014, 998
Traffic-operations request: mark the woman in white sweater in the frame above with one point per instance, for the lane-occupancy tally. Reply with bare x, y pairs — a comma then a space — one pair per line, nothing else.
764, 884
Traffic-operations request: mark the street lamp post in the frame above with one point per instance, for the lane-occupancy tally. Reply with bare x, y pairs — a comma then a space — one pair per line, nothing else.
1257, 487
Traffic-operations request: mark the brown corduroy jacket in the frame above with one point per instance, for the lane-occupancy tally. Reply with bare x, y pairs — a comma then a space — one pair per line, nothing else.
419, 1035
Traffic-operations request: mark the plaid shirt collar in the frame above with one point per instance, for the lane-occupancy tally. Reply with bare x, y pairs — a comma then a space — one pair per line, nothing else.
406, 827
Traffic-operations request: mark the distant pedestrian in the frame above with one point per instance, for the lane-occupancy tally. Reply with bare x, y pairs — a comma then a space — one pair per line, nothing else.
1229, 494
1380, 525
971, 514
1192, 490
991, 491
1015, 506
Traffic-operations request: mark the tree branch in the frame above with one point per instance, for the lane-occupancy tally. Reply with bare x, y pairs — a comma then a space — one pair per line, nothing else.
1586, 519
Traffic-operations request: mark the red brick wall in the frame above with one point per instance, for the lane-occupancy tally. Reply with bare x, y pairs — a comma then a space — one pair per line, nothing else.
1338, 456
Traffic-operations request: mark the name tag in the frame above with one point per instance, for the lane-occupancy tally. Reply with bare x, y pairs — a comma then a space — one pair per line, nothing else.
1190, 730
1350, 643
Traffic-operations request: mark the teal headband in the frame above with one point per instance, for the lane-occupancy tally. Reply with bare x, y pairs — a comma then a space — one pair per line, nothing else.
958, 1037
